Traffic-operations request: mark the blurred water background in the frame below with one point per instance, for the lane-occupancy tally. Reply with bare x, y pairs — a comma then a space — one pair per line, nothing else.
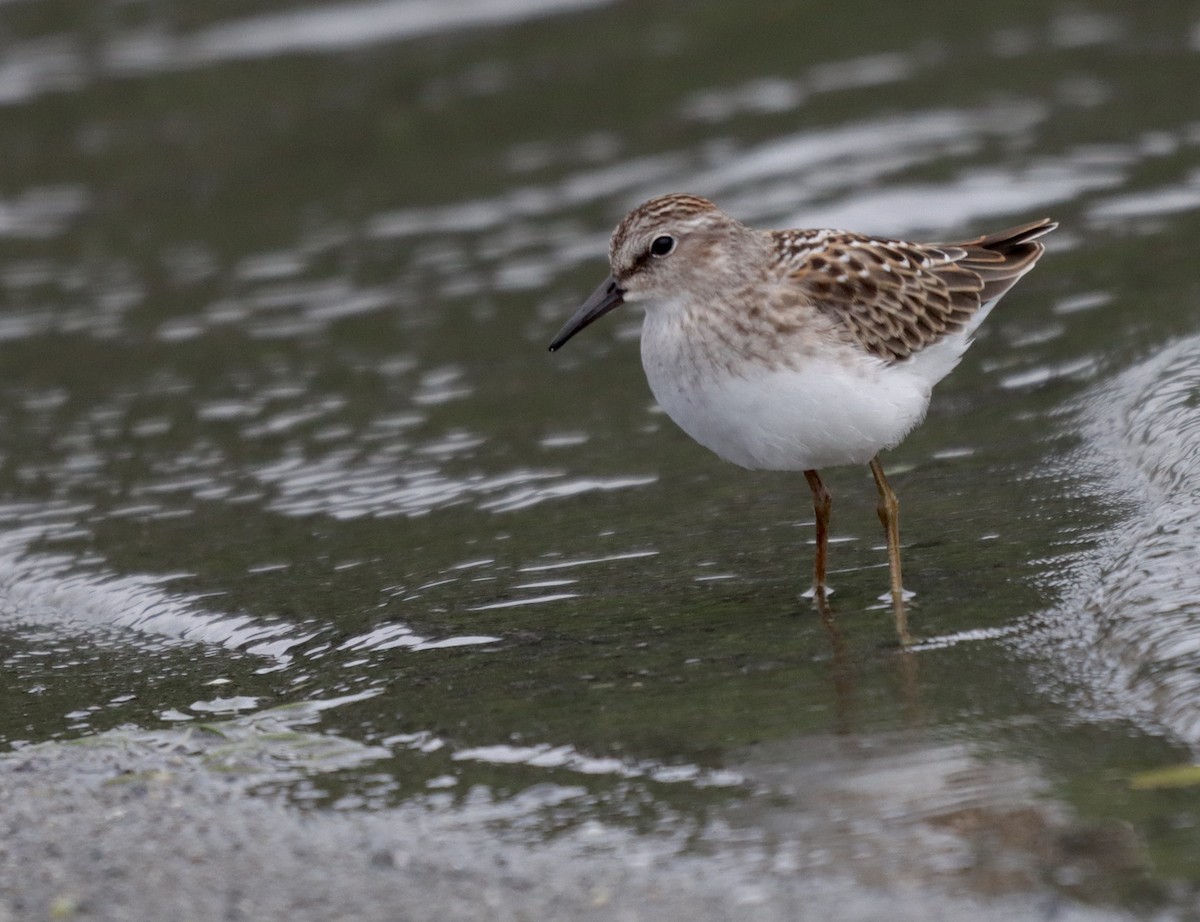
278, 427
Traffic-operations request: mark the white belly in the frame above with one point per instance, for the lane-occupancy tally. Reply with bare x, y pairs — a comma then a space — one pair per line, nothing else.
820, 414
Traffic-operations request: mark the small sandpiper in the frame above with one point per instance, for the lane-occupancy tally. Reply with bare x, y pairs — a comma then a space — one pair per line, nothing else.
794, 350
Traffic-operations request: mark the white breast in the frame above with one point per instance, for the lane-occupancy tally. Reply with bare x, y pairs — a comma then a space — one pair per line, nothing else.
820, 412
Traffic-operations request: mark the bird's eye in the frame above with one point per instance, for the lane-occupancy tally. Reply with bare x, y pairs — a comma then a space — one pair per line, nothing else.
662, 245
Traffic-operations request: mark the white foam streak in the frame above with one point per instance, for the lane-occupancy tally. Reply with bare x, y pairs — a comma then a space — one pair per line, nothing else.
343, 26
394, 636
545, 755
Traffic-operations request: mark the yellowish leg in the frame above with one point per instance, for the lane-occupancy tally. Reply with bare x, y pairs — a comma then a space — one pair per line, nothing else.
889, 515
822, 504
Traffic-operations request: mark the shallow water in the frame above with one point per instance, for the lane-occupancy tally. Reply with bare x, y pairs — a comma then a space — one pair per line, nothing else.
279, 425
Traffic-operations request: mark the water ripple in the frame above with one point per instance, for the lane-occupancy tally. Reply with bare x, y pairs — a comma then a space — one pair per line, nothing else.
346, 487
51, 590
1133, 616
401, 636
60, 63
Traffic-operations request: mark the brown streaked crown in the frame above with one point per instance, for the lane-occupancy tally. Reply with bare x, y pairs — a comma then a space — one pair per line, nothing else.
675, 214
663, 209
713, 249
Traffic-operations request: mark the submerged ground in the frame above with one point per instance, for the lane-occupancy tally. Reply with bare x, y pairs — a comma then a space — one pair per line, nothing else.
325, 590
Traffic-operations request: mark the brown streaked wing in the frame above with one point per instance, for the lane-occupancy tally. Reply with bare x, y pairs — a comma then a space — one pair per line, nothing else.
894, 297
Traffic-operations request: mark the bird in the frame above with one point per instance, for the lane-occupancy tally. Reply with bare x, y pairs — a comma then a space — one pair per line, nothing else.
797, 350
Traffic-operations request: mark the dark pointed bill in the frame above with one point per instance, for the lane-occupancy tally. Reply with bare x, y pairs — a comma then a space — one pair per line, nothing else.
608, 296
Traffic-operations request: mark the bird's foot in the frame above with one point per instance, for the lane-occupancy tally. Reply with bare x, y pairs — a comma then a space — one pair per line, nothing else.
906, 594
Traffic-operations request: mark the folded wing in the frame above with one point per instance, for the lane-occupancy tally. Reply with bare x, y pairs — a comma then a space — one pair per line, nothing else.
895, 297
